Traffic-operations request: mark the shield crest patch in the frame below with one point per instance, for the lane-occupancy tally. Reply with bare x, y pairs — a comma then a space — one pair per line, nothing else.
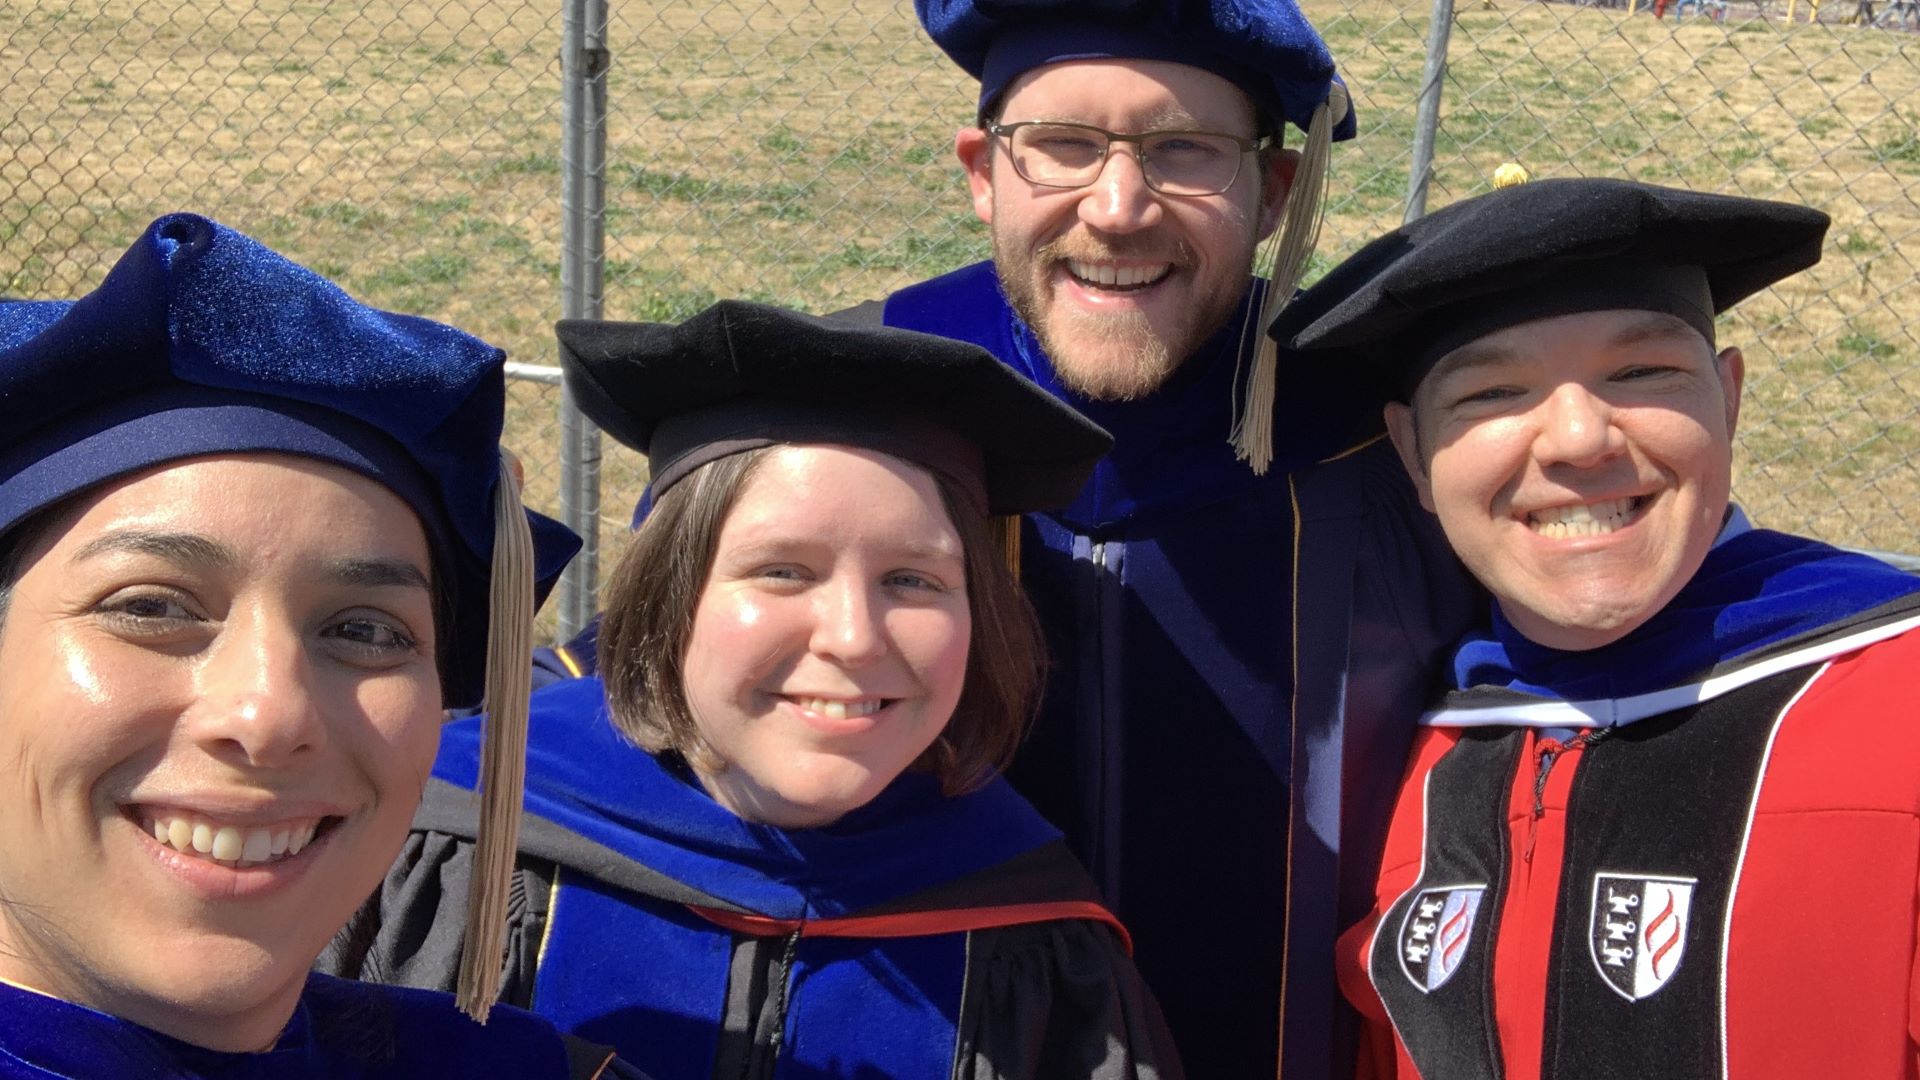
1638, 930
1435, 932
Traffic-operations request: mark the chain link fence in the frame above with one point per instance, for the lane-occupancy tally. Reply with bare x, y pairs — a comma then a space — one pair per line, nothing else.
450, 159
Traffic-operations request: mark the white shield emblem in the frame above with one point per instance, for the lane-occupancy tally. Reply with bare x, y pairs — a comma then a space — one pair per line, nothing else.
1638, 930
1434, 935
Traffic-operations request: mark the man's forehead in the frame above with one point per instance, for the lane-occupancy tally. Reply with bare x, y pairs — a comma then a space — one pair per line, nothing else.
1542, 341
1139, 93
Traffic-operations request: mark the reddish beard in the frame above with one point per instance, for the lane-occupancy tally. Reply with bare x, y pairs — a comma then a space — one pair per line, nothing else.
1117, 356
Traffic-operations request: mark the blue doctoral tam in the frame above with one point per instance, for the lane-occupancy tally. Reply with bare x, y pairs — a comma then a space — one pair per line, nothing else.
1265, 47
202, 341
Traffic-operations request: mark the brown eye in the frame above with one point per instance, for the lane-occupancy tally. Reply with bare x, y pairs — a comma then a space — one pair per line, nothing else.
371, 634
147, 611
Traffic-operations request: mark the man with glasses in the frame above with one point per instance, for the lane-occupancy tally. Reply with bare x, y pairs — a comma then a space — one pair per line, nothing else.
1244, 605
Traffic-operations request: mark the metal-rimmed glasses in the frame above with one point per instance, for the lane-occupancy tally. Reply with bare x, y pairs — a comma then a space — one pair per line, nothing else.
1058, 154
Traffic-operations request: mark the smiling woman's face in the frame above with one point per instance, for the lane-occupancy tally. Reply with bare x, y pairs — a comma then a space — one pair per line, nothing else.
218, 705
829, 645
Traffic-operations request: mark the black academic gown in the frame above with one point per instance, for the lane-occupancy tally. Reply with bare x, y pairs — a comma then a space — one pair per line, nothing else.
919, 937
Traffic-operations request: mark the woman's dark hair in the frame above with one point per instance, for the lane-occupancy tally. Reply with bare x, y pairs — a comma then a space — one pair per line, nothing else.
654, 590
17, 542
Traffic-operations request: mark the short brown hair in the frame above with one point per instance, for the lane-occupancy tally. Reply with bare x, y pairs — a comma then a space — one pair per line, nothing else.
653, 592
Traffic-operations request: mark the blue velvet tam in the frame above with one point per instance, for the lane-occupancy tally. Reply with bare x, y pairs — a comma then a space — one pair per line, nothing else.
202, 341
1265, 47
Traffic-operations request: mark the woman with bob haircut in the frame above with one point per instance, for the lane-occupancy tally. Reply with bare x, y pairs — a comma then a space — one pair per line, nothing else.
773, 842
254, 538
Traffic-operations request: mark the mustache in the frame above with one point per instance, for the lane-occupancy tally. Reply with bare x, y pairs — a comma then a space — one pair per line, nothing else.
1084, 248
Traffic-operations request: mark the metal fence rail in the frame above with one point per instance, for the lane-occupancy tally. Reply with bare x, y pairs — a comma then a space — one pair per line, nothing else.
499, 165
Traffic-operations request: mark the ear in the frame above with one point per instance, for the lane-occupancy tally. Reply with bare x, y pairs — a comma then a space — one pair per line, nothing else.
1733, 375
1276, 180
1406, 440
974, 148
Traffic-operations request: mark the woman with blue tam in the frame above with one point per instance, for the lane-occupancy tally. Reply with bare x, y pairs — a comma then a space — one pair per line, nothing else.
255, 538
770, 839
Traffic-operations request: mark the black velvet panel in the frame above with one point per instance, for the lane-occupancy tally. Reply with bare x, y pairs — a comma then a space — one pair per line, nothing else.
1432, 958
1656, 818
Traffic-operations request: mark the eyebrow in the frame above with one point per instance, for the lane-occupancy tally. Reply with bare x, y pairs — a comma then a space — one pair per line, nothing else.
785, 547
1472, 355
928, 552
1477, 354
378, 573
199, 552
187, 549
1171, 118
1656, 325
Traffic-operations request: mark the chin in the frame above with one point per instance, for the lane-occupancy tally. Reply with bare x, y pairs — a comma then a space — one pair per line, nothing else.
230, 974
1119, 370
1588, 628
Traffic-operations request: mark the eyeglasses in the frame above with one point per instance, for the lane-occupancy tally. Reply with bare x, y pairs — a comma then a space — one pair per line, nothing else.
1061, 155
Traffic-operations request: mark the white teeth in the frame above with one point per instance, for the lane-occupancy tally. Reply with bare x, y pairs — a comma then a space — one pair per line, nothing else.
227, 843
233, 844
840, 710
1592, 519
259, 845
1106, 274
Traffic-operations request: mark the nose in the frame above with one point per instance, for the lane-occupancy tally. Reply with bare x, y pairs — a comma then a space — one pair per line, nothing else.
256, 703
847, 625
1119, 200
1577, 428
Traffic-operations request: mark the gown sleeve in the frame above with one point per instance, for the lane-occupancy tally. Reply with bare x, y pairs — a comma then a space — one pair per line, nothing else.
409, 933
1059, 1000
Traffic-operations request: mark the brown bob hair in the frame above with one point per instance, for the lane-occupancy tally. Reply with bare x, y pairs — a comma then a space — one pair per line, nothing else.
652, 594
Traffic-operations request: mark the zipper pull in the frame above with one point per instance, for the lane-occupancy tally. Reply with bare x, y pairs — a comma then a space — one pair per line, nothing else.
784, 987
1545, 753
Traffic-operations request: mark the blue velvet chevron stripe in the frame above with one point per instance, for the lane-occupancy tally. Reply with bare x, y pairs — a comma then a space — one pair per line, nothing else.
583, 776
635, 970
340, 1031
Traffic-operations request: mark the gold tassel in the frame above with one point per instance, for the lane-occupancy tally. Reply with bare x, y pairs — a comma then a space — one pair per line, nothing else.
503, 762
1006, 535
1287, 255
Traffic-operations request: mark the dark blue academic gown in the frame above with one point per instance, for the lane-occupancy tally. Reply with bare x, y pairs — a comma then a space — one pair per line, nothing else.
340, 1031
1238, 664
1238, 661
920, 937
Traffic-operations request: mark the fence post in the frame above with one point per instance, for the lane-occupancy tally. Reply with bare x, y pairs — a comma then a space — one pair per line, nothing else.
1427, 111
584, 60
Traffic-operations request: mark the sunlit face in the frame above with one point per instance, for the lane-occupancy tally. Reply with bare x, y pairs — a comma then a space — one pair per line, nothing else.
829, 644
235, 653
1580, 465
1121, 283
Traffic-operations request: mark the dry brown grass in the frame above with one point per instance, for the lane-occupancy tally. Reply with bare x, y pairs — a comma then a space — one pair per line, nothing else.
800, 152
